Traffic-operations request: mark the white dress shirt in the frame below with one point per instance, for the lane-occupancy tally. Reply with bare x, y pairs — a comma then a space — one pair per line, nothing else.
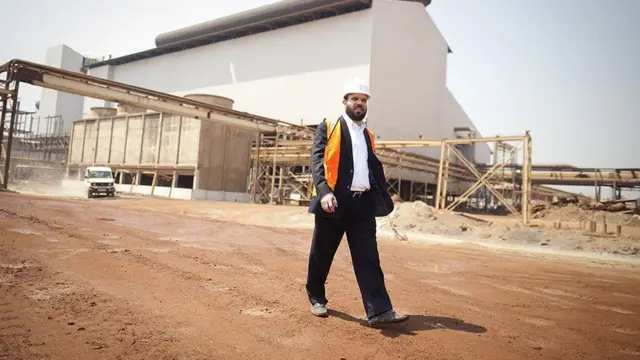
360, 180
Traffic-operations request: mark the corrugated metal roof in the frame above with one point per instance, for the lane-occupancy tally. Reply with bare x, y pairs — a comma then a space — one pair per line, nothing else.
262, 19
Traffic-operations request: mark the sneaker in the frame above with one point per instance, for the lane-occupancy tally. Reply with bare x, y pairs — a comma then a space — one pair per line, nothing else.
319, 310
387, 318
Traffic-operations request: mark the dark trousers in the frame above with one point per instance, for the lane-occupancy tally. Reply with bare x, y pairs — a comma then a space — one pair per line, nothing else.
359, 223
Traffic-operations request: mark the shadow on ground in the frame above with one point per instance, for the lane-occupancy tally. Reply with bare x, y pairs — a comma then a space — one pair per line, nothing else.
415, 324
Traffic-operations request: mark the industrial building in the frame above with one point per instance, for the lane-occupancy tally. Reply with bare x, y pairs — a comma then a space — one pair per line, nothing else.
162, 154
290, 60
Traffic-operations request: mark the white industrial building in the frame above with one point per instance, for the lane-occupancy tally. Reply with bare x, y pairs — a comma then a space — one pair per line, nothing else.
290, 60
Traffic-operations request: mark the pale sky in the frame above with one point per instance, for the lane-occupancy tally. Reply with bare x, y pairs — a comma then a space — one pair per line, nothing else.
568, 70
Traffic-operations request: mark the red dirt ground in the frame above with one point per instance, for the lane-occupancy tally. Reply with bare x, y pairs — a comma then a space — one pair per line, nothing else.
79, 280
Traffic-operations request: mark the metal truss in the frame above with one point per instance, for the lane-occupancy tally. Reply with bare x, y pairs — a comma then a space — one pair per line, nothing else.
448, 148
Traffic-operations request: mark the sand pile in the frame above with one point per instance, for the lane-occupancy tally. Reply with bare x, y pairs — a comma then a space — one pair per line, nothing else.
420, 217
568, 240
569, 212
574, 213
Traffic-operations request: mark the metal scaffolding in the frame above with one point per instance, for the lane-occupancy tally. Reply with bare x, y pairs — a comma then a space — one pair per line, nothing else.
447, 148
281, 171
39, 148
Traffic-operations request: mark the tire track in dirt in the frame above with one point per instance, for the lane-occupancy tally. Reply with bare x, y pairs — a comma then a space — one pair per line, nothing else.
42, 309
228, 293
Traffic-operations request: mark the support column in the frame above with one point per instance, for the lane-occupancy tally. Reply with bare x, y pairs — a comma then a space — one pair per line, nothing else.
5, 101
256, 167
526, 180
445, 177
174, 182
159, 140
141, 139
154, 182
273, 169
70, 151
281, 184
95, 145
412, 191
400, 178
134, 181
126, 137
110, 143
14, 114
595, 177
440, 170
426, 189
178, 145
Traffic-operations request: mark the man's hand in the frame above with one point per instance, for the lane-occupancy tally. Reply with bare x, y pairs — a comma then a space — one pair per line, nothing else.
329, 203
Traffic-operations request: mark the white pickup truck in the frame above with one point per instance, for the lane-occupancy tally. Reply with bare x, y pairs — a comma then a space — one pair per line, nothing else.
99, 180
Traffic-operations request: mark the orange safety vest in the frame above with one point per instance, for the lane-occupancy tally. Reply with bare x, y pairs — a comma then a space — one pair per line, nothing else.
332, 153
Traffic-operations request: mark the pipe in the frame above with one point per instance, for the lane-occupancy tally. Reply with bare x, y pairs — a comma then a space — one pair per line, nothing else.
419, 143
566, 175
71, 86
565, 168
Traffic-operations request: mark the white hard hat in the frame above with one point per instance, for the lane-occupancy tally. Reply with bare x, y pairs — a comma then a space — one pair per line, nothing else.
356, 86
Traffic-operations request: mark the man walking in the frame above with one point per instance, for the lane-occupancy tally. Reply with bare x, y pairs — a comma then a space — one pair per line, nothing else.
351, 191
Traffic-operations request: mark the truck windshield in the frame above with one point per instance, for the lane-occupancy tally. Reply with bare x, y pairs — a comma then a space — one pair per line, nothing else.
99, 174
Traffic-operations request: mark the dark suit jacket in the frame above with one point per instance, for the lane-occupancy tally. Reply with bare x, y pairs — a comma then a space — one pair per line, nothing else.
383, 204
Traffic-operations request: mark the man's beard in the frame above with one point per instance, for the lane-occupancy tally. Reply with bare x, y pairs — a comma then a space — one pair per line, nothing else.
355, 117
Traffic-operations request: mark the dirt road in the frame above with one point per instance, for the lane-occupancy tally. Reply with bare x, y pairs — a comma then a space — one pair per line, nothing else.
83, 281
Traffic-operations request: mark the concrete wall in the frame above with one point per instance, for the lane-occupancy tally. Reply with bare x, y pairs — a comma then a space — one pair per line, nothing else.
290, 74
177, 193
408, 74
104, 72
133, 140
224, 158
456, 117
160, 191
77, 188
54, 103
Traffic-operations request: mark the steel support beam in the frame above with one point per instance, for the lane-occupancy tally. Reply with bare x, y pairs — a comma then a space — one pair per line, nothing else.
481, 181
12, 127
85, 89
86, 85
526, 180
3, 115
504, 202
